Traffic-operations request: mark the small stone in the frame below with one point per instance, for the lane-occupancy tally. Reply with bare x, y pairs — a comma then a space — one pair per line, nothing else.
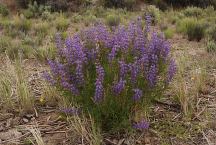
25, 120
33, 118
13, 133
29, 116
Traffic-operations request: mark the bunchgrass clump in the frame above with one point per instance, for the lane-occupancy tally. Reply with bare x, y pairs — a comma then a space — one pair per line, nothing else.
113, 74
23, 91
211, 47
194, 29
5, 43
20, 23
42, 28
6, 90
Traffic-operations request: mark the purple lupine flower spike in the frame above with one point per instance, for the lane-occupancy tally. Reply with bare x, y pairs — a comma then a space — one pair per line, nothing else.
137, 94
124, 68
99, 90
152, 76
119, 87
71, 111
148, 20
171, 71
142, 125
79, 73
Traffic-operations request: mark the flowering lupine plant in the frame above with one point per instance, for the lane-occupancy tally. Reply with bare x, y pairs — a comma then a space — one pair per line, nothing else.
111, 73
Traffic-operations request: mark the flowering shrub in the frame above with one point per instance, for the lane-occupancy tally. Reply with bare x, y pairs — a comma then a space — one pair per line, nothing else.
111, 74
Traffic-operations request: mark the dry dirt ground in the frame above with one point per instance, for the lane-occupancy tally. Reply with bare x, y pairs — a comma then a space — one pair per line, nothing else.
166, 120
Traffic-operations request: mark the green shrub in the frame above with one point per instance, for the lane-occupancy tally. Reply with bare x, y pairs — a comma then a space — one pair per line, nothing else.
211, 47
62, 23
154, 12
193, 12
169, 33
4, 10
113, 20
195, 31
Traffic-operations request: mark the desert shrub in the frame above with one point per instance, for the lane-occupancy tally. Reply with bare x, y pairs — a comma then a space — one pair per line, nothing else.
211, 47
154, 12
193, 12
169, 32
195, 31
62, 23
161, 4
113, 75
3, 10
129, 4
113, 20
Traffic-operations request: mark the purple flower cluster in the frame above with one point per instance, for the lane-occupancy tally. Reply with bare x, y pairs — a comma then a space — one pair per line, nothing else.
103, 68
142, 125
137, 57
